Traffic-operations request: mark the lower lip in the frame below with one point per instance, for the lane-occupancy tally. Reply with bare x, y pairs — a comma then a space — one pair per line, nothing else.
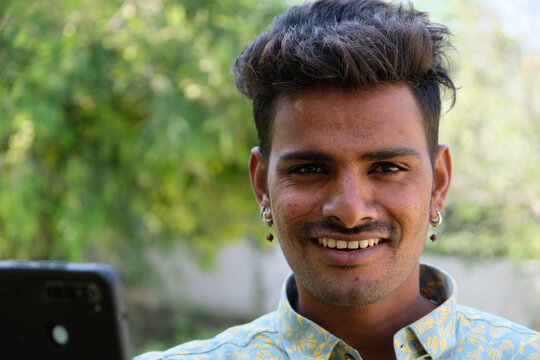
349, 257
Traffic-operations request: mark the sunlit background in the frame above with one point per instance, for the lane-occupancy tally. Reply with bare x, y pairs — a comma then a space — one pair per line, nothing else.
123, 140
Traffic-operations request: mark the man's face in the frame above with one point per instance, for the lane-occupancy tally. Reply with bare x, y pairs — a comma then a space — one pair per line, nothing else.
350, 185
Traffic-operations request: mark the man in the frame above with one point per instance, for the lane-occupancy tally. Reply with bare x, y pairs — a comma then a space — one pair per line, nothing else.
350, 175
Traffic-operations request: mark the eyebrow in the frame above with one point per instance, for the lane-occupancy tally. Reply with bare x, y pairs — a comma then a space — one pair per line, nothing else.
389, 154
369, 156
304, 156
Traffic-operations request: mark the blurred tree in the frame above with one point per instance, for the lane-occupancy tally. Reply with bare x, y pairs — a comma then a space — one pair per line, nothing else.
493, 208
121, 126
120, 129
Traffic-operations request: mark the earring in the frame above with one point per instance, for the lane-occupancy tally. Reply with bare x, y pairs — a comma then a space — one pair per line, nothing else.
436, 221
267, 218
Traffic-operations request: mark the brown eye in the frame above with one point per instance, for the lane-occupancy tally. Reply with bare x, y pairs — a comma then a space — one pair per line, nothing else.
387, 169
308, 169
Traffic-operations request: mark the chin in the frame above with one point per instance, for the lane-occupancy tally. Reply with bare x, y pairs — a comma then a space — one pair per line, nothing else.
354, 293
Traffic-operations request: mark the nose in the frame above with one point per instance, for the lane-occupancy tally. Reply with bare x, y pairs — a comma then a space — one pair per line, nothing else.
349, 200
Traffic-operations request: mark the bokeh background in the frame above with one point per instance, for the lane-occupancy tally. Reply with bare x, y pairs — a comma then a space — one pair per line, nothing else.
123, 140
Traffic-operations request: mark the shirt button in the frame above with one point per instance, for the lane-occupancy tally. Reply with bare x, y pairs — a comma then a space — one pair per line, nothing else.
348, 357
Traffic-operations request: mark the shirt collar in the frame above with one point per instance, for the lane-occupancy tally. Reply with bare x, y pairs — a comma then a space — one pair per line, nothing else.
301, 337
434, 333
431, 335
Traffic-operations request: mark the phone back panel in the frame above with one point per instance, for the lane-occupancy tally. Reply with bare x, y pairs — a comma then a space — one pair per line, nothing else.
62, 311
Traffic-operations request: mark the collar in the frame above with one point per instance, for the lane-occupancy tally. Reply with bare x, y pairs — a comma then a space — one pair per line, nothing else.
430, 336
434, 333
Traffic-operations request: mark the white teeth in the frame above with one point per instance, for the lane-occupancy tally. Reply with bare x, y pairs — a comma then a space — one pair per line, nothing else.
342, 244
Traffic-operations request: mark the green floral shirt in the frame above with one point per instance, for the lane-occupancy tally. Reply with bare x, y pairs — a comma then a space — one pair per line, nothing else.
450, 331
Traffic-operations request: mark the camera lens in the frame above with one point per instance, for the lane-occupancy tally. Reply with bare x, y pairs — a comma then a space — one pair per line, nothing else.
68, 292
93, 294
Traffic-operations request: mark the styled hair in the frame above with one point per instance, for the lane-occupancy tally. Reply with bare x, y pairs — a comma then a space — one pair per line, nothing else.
346, 44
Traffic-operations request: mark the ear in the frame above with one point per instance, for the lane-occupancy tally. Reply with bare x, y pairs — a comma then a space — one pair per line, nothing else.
258, 177
441, 180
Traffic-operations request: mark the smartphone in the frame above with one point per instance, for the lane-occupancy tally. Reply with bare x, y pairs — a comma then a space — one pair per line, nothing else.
62, 310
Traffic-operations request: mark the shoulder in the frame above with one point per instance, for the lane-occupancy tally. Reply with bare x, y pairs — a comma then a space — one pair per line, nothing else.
242, 341
494, 334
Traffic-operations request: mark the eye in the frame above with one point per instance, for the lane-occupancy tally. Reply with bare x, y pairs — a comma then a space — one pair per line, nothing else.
308, 169
387, 169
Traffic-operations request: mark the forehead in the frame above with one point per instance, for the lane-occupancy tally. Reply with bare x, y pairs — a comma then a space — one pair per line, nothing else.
376, 117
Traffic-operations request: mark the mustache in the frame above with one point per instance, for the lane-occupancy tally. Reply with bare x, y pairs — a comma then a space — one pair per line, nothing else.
312, 229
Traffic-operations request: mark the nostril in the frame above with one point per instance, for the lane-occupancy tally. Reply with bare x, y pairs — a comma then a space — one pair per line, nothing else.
349, 212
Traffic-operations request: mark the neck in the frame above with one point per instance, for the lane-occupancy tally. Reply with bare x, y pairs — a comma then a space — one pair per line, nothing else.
370, 328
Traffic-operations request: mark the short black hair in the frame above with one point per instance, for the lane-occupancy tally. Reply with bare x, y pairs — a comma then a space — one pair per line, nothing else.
346, 44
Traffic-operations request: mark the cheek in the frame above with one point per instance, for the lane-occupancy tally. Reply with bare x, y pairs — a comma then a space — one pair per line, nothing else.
408, 203
290, 206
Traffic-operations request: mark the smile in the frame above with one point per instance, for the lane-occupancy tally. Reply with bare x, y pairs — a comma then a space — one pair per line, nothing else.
341, 244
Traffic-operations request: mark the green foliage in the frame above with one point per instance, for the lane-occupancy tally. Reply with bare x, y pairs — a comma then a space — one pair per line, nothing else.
121, 127
493, 208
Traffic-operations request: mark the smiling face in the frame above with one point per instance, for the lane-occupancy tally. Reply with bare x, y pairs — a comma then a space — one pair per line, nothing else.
351, 188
